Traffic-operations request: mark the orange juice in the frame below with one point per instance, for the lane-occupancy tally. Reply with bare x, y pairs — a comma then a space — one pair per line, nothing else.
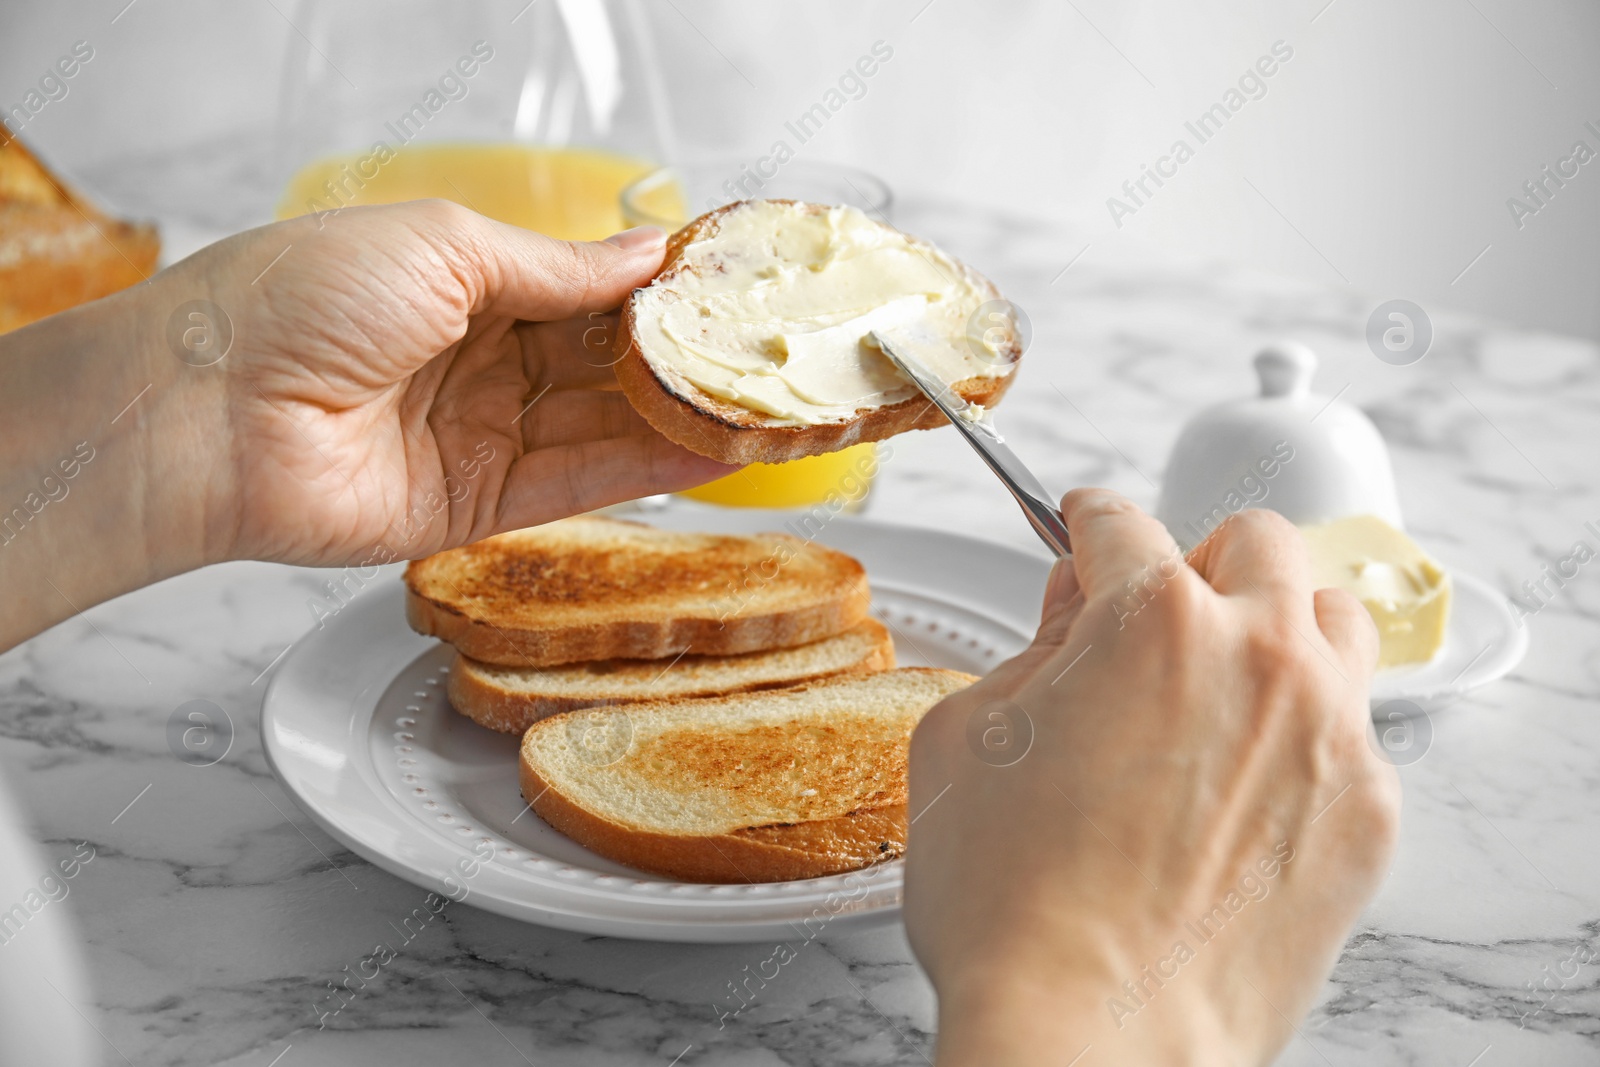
798, 483
570, 193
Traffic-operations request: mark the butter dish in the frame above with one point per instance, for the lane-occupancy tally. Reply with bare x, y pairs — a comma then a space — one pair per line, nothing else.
1321, 463
1309, 457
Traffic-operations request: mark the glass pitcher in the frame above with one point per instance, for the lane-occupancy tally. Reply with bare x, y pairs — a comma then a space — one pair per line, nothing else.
534, 113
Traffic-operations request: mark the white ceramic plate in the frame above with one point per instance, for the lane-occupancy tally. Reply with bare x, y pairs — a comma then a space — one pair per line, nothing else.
1482, 642
356, 727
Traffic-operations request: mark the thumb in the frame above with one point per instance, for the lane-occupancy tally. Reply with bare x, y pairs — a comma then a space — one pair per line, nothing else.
538, 278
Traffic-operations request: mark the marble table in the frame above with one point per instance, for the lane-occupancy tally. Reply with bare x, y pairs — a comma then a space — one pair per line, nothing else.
216, 915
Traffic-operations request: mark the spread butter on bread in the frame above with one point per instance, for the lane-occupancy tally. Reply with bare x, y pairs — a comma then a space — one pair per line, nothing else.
591, 588
751, 344
510, 699
799, 782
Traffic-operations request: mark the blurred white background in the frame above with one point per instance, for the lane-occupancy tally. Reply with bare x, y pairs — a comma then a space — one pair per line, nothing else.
1382, 154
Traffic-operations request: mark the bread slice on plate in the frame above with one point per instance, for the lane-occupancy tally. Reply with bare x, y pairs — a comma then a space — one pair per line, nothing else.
591, 588
751, 344
799, 782
511, 699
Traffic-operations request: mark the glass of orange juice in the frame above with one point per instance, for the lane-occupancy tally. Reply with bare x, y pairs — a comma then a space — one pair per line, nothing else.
534, 113
669, 197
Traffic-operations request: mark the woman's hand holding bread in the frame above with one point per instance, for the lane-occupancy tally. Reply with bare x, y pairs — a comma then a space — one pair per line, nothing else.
375, 384
418, 377
1168, 873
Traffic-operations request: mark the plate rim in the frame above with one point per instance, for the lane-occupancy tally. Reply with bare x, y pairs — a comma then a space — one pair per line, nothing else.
1507, 655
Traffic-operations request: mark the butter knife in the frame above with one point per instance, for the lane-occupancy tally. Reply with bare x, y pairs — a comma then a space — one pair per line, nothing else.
975, 425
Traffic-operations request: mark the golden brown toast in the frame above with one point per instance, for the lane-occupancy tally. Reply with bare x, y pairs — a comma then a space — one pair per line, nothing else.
733, 433
591, 588
798, 782
56, 249
510, 699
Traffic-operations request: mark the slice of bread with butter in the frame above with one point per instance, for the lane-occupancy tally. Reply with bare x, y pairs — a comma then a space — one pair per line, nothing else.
751, 344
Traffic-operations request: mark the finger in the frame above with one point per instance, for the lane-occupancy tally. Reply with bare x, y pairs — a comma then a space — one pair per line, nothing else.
1063, 602
530, 276
1114, 543
1349, 629
570, 353
576, 416
1258, 554
567, 479
549, 279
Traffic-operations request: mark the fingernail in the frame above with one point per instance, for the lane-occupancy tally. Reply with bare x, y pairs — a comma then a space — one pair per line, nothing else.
639, 237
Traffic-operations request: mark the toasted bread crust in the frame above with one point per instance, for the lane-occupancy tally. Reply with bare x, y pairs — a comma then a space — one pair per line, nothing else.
495, 707
56, 249
757, 854
812, 848
732, 434
511, 646
743, 627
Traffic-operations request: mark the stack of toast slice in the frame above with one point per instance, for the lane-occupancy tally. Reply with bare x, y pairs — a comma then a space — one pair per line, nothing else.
591, 611
709, 707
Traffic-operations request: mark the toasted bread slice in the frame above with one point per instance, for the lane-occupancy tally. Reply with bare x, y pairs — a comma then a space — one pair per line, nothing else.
591, 588
56, 249
755, 239
798, 782
511, 699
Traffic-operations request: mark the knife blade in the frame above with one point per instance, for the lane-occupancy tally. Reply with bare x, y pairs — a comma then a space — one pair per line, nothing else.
979, 430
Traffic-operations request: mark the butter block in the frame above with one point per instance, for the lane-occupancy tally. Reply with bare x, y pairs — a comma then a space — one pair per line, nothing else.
1406, 592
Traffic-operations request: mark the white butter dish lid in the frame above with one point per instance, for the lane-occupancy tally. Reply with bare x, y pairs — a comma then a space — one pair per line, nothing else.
1308, 457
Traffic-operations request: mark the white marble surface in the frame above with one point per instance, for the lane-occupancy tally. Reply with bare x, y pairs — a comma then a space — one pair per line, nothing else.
215, 914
